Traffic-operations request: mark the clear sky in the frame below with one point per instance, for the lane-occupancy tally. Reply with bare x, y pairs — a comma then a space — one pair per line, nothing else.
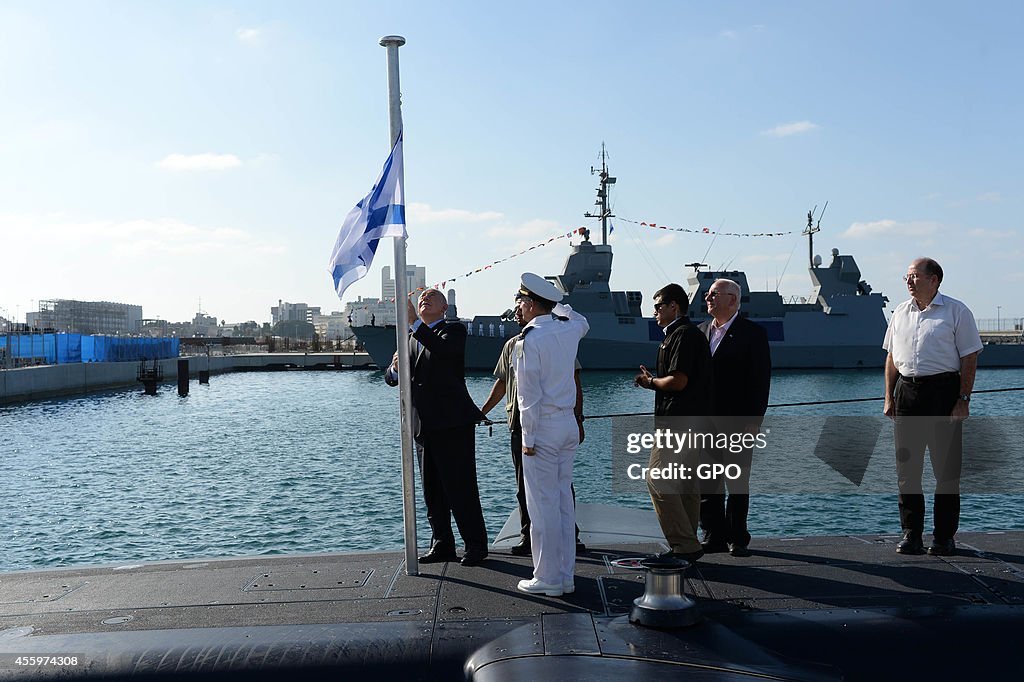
163, 153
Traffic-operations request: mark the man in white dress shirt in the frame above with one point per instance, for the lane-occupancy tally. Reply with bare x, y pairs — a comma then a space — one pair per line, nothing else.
933, 345
543, 360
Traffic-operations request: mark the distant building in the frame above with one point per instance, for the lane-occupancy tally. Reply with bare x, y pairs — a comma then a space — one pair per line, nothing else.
204, 325
333, 327
415, 278
367, 311
89, 317
288, 312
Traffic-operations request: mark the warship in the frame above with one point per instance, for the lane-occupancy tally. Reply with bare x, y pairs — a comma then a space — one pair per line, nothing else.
839, 325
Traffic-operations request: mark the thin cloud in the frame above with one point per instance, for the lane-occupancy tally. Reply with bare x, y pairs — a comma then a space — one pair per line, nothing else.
198, 162
250, 36
733, 34
142, 237
982, 233
990, 197
876, 228
787, 129
424, 213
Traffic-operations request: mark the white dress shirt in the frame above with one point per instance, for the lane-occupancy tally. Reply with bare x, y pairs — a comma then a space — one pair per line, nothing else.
718, 333
931, 341
544, 361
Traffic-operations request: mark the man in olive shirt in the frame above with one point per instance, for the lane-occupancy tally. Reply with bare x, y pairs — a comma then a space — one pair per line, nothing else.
682, 388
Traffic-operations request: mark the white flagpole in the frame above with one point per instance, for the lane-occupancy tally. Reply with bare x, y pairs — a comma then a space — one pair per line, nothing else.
391, 44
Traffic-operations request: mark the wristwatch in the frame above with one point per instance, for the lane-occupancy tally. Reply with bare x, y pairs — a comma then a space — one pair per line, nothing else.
966, 397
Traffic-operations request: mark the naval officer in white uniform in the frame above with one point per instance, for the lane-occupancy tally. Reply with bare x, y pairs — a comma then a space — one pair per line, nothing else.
544, 359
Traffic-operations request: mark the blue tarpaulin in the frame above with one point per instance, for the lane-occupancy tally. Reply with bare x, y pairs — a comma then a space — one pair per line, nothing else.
67, 348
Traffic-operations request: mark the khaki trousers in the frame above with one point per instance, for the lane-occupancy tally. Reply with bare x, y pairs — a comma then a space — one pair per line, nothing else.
677, 502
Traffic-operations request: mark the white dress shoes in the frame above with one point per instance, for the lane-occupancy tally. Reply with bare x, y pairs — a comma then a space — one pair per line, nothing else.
534, 586
568, 587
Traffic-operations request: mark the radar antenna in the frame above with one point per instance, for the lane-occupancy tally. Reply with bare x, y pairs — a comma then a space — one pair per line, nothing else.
696, 266
602, 196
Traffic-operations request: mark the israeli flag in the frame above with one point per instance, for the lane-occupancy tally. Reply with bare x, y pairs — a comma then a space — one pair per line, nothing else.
381, 213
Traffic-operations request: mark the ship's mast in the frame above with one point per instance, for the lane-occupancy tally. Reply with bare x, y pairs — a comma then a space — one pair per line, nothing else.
602, 196
810, 230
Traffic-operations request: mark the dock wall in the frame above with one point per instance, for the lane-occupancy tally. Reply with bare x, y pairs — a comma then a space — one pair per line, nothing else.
47, 381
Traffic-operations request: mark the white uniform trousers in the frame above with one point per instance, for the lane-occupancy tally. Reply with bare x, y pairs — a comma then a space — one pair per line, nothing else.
548, 477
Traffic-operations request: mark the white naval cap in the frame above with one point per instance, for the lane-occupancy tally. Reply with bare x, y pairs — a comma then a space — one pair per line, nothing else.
537, 287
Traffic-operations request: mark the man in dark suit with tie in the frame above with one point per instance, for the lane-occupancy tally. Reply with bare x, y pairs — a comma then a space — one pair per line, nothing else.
742, 376
447, 417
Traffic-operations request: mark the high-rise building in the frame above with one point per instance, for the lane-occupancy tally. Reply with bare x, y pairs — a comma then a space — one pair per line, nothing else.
415, 278
89, 317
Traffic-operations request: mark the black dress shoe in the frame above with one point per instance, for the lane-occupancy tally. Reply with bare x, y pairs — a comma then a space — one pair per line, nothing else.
736, 549
438, 555
942, 547
690, 557
911, 544
522, 549
474, 557
713, 547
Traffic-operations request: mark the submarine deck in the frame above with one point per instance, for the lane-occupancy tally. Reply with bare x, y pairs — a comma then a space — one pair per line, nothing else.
845, 607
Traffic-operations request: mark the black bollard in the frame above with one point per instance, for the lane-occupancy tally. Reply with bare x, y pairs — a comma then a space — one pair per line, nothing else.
183, 377
204, 376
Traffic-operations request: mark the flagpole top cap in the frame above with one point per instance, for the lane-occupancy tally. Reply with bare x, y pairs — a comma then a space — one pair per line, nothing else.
536, 287
388, 41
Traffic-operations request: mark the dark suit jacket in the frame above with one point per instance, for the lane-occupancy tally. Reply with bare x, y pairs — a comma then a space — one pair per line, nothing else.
439, 391
742, 369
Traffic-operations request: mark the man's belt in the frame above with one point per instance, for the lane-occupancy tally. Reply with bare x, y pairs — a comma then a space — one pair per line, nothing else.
931, 378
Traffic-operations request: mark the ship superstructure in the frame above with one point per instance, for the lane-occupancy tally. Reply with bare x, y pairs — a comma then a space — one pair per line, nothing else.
840, 324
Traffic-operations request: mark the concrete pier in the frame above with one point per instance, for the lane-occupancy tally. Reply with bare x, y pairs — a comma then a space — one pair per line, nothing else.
48, 381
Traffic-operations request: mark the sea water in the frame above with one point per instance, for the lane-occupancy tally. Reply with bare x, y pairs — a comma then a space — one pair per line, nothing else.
303, 461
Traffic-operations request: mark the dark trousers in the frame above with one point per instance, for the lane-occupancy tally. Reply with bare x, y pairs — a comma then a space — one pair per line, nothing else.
516, 441
724, 519
922, 421
449, 487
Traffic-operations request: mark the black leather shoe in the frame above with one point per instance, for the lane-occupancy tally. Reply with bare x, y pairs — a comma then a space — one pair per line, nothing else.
691, 557
522, 549
438, 555
474, 557
712, 547
911, 544
942, 547
736, 549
